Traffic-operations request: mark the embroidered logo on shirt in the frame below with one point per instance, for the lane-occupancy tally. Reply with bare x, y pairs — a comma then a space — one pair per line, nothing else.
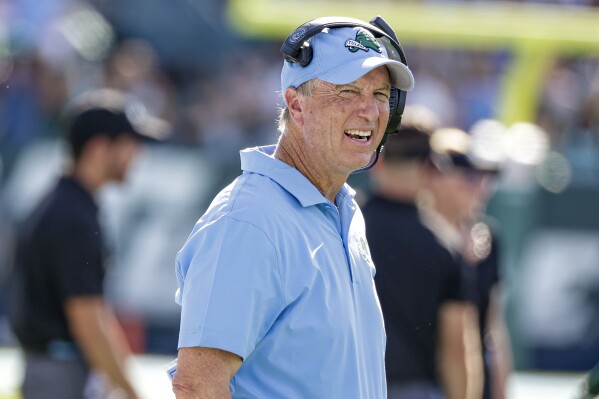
363, 249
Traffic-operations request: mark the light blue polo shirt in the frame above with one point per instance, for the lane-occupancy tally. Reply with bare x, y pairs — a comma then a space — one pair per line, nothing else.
278, 275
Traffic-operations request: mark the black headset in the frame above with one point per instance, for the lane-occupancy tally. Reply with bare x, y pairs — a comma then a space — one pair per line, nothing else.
297, 49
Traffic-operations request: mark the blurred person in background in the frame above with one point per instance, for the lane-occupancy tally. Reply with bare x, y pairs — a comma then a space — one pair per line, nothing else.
276, 281
460, 187
430, 328
30, 103
133, 68
56, 307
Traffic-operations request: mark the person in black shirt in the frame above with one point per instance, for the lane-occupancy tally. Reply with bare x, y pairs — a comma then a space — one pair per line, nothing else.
430, 328
56, 305
483, 288
467, 182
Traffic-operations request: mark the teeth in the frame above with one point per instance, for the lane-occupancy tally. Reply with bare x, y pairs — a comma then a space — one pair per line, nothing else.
359, 133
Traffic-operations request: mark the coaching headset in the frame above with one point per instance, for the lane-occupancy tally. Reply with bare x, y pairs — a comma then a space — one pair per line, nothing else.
297, 50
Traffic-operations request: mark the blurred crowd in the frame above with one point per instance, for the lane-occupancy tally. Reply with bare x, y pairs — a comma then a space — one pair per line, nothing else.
220, 94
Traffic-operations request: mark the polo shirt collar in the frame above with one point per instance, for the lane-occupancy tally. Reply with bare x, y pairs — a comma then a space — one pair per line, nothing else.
260, 160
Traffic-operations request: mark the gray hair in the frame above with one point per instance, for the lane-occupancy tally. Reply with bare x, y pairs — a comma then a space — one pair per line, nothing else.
305, 89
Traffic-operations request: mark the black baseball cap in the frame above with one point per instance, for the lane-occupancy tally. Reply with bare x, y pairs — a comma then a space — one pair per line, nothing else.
412, 141
110, 113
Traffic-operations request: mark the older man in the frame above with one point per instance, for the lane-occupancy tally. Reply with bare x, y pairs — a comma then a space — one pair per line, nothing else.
276, 280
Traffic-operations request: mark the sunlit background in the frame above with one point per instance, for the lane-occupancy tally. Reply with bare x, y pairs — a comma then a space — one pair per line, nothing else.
521, 77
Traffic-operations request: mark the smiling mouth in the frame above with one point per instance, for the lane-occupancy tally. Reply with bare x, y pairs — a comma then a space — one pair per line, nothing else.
359, 135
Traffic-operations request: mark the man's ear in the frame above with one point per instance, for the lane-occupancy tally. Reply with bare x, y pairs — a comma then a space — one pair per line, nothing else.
294, 104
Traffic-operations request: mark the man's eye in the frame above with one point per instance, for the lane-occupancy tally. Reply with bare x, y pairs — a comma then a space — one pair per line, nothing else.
381, 95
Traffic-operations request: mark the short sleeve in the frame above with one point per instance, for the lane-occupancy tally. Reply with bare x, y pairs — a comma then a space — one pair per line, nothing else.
77, 251
455, 284
495, 260
229, 287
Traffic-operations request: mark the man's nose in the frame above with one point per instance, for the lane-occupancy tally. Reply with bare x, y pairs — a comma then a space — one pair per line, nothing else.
369, 107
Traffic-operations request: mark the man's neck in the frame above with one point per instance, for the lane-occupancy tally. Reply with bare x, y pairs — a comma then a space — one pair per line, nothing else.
89, 176
291, 152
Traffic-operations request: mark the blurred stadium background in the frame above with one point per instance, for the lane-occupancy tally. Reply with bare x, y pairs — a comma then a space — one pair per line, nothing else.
211, 68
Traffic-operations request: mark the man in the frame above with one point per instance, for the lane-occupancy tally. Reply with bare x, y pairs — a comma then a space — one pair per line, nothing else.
464, 180
418, 280
275, 281
57, 309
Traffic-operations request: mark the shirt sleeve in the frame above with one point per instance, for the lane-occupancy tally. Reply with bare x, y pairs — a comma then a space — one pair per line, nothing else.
495, 259
77, 251
456, 286
229, 287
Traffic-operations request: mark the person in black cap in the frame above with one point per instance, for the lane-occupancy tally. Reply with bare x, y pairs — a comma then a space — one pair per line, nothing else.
460, 188
56, 307
430, 327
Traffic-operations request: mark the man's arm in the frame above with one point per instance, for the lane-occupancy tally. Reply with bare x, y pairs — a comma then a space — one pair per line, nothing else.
459, 359
204, 373
500, 346
98, 334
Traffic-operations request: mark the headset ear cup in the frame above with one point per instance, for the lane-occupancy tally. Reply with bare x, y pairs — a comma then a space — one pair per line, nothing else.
397, 103
305, 55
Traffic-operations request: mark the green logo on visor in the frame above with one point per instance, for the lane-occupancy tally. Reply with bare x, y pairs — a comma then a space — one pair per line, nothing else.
363, 41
